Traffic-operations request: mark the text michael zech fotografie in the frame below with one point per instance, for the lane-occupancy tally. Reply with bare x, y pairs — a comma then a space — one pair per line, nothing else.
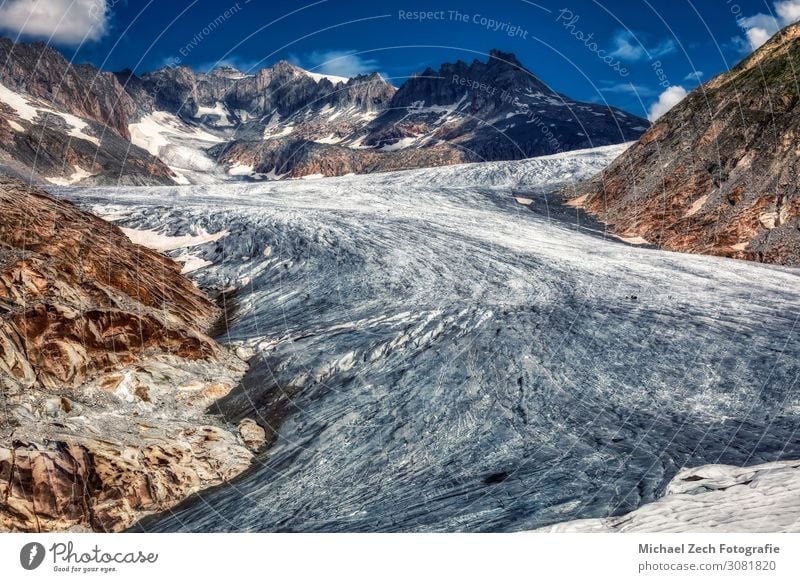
722, 549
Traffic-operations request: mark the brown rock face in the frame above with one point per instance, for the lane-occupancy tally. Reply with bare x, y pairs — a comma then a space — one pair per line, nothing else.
46, 144
717, 174
297, 158
105, 374
88, 484
252, 434
82, 90
79, 298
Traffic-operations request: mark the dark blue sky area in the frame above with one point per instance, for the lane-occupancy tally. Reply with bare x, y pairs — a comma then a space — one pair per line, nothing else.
590, 50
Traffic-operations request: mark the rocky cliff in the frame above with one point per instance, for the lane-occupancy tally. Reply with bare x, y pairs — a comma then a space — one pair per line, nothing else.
67, 124
497, 110
105, 374
43, 72
718, 174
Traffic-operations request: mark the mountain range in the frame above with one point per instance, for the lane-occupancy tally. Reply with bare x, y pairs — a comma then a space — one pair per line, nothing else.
70, 124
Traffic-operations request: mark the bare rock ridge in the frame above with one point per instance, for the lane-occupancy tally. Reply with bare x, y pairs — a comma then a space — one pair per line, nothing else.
71, 124
43, 72
718, 174
68, 123
105, 374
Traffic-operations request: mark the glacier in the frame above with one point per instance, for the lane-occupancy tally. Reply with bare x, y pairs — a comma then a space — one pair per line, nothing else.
451, 349
712, 499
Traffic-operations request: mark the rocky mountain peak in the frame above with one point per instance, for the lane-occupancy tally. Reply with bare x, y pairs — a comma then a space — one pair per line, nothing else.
502, 72
510, 58
368, 92
285, 70
42, 72
227, 72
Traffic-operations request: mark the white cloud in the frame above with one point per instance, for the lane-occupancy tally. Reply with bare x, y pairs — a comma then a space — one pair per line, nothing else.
627, 47
761, 27
626, 88
788, 10
666, 101
68, 22
341, 63
694, 76
758, 29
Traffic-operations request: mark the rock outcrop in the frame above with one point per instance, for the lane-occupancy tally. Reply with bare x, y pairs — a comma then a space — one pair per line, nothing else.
718, 174
105, 374
67, 123
42, 72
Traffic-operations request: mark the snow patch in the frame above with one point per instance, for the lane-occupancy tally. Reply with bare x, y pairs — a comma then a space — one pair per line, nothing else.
15, 126
713, 498
698, 204
240, 170
23, 108
163, 243
284, 131
398, 145
192, 263
330, 139
220, 111
77, 175
633, 240
320, 76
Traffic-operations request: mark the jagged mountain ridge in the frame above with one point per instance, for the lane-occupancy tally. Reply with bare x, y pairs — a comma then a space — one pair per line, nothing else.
283, 121
496, 110
718, 173
67, 123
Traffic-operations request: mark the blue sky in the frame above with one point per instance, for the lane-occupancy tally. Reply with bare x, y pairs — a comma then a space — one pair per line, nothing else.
627, 53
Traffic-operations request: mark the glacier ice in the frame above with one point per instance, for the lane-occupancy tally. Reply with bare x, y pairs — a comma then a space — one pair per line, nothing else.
432, 355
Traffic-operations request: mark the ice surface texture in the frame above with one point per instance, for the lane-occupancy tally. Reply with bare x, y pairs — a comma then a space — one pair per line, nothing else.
438, 357
713, 498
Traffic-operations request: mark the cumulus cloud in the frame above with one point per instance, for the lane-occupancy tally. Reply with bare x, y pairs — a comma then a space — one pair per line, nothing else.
342, 63
668, 99
627, 47
788, 11
759, 28
694, 76
67, 22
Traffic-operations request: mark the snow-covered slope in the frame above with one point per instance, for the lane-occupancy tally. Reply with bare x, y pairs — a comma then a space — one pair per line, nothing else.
430, 353
320, 76
179, 145
714, 498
